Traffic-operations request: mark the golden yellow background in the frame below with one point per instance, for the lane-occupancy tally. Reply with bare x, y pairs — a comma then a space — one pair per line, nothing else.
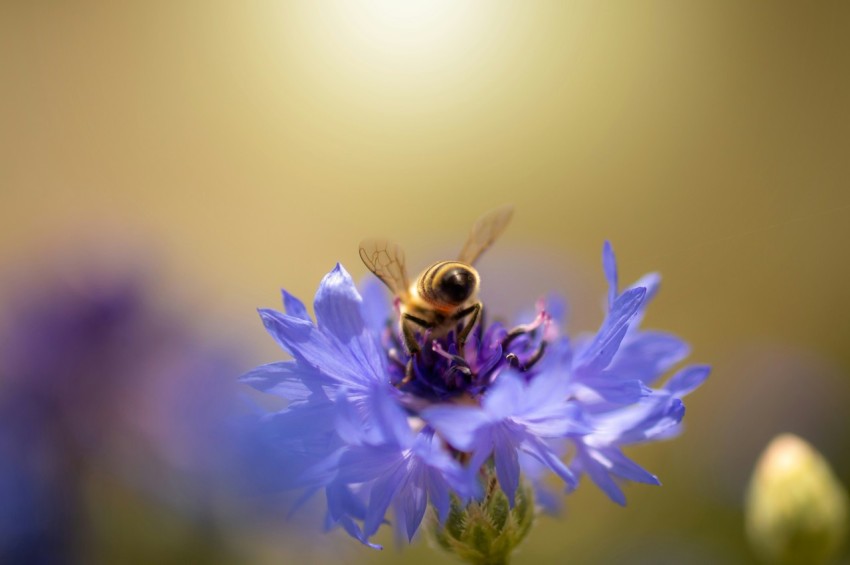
249, 146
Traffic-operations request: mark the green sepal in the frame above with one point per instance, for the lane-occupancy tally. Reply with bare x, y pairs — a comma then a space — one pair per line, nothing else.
486, 532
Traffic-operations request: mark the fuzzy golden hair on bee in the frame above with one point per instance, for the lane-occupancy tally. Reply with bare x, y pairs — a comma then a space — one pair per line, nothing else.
443, 296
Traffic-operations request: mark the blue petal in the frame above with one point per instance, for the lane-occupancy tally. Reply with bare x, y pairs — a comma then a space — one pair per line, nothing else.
624, 467
651, 282
342, 507
295, 307
343, 502
324, 472
364, 464
438, 492
557, 421
286, 379
507, 462
647, 355
600, 352
377, 305
559, 355
660, 423
609, 265
544, 454
286, 330
353, 420
669, 424
303, 341
687, 380
546, 392
390, 417
382, 494
616, 391
351, 528
414, 502
371, 417
503, 398
339, 315
338, 306
444, 469
458, 425
300, 339
598, 473
304, 420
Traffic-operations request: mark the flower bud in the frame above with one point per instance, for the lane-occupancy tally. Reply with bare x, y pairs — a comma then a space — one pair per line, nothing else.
796, 508
486, 532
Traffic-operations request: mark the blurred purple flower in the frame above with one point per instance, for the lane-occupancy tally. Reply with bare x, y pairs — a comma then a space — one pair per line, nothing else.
373, 439
93, 378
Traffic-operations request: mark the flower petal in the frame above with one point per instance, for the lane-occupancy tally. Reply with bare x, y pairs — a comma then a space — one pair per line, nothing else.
507, 462
300, 339
285, 378
624, 467
596, 467
611, 389
503, 398
546, 392
559, 420
377, 311
687, 380
308, 345
438, 492
651, 282
383, 491
646, 355
362, 464
413, 502
338, 306
609, 265
546, 455
339, 315
342, 507
295, 307
390, 417
600, 352
458, 425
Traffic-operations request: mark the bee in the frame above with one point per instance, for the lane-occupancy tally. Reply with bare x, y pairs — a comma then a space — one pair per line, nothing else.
443, 296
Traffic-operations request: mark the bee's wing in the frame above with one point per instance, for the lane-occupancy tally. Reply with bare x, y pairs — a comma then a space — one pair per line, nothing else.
485, 231
386, 260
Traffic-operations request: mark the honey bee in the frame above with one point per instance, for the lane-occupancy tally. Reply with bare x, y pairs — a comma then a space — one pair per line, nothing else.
445, 294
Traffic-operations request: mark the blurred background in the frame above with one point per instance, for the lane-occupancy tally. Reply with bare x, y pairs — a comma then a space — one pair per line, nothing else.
166, 167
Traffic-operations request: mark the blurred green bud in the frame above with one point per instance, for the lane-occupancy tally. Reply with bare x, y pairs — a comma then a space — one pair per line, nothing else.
796, 508
486, 532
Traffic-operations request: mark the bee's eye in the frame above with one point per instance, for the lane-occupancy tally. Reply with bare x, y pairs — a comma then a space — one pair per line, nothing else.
457, 285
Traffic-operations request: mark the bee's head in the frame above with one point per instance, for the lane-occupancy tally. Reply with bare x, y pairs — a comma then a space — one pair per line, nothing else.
449, 284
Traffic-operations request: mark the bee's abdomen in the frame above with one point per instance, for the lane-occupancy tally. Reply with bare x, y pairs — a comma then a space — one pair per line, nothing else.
447, 284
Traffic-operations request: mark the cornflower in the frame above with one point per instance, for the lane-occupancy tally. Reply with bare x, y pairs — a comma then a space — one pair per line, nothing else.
382, 428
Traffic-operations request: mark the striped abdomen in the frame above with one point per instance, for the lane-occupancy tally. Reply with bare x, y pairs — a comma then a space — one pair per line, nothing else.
447, 285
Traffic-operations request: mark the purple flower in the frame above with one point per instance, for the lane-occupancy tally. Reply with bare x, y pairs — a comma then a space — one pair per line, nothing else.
382, 433
96, 381
514, 416
618, 404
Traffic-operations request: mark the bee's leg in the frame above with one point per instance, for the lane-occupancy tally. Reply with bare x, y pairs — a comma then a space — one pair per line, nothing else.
408, 333
408, 374
410, 342
473, 312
